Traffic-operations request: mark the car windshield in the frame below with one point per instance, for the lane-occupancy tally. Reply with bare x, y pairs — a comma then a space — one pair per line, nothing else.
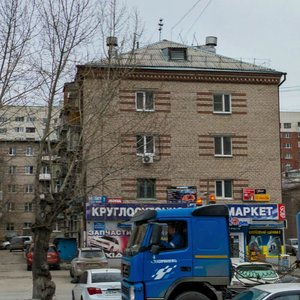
251, 294
136, 239
92, 254
294, 242
255, 271
107, 277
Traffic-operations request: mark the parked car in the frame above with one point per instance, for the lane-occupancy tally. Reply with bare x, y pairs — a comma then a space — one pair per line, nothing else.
5, 245
98, 284
253, 273
108, 243
20, 242
278, 291
291, 246
87, 258
53, 259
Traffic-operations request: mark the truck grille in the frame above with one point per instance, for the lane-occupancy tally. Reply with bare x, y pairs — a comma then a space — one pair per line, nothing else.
125, 292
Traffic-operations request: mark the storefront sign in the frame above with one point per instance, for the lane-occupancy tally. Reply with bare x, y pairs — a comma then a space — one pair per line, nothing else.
262, 197
98, 211
250, 195
181, 194
242, 214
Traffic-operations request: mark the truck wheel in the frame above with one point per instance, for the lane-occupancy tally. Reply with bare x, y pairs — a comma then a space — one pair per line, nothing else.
191, 296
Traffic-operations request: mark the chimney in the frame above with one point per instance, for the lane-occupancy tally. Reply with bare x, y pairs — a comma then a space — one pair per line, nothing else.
210, 44
112, 43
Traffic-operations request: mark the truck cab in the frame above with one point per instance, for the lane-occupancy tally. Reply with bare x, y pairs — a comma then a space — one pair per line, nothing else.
200, 268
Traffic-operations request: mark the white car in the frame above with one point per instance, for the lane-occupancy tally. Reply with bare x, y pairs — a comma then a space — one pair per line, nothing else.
253, 273
98, 284
276, 291
109, 244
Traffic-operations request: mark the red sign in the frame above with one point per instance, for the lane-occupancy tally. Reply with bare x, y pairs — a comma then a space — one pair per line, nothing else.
115, 200
248, 194
281, 212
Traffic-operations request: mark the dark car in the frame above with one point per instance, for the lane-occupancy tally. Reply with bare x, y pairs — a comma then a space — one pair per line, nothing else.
53, 259
20, 242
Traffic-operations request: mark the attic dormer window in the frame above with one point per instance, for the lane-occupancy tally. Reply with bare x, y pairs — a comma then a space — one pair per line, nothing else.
178, 53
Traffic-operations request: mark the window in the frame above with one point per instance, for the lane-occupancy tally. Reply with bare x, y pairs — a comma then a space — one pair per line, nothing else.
223, 189
29, 170
10, 226
11, 188
45, 170
144, 101
146, 188
12, 151
19, 129
31, 119
222, 103
28, 207
145, 144
29, 188
288, 156
287, 145
10, 206
30, 129
12, 169
223, 146
27, 225
3, 119
298, 124
29, 151
3, 130
177, 53
287, 125
287, 135
19, 119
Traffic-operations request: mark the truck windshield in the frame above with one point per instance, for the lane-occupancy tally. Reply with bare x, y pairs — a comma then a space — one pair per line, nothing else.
136, 239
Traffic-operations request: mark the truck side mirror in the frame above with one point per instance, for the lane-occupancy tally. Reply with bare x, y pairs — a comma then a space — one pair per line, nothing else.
155, 249
156, 234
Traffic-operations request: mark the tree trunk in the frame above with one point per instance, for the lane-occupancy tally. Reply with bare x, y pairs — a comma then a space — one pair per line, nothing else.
43, 286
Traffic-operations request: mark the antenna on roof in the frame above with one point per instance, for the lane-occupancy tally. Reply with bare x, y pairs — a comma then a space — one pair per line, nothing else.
160, 25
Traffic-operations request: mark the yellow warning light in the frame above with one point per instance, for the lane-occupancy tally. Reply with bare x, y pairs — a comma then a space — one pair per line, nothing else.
198, 202
212, 198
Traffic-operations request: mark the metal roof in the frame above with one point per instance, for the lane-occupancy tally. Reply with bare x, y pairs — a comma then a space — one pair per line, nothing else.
154, 56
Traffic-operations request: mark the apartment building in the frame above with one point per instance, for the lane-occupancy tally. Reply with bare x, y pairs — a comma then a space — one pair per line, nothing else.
170, 119
21, 129
290, 140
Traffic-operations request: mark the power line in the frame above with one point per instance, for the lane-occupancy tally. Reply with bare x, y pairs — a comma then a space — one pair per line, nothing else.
185, 16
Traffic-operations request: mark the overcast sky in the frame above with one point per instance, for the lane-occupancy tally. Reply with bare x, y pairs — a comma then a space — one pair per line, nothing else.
262, 31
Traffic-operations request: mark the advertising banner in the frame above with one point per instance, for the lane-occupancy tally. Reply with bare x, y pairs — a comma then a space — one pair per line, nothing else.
181, 194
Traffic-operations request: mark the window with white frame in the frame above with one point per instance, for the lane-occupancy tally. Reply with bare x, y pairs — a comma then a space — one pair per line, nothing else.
12, 169
144, 101
19, 129
45, 170
11, 188
223, 189
28, 206
223, 146
145, 144
19, 119
146, 188
29, 188
287, 125
288, 156
10, 226
287, 145
12, 151
222, 103
29, 151
56, 227
29, 170
27, 225
10, 206
31, 119
287, 135
30, 129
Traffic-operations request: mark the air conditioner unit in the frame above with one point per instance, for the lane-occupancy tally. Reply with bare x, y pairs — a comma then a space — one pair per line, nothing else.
147, 159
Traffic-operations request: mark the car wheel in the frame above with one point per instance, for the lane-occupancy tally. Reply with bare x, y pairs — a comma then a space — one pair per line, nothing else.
6, 247
192, 296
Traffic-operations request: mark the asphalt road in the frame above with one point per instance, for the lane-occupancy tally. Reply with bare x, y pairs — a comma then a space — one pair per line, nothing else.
16, 282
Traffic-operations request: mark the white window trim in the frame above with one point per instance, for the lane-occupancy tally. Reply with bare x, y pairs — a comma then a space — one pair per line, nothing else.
223, 104
223, 190
27, 168
13, 152
145, 147
144, 102
222, 147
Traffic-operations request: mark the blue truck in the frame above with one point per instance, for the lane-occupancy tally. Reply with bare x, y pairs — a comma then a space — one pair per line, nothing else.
200, 269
